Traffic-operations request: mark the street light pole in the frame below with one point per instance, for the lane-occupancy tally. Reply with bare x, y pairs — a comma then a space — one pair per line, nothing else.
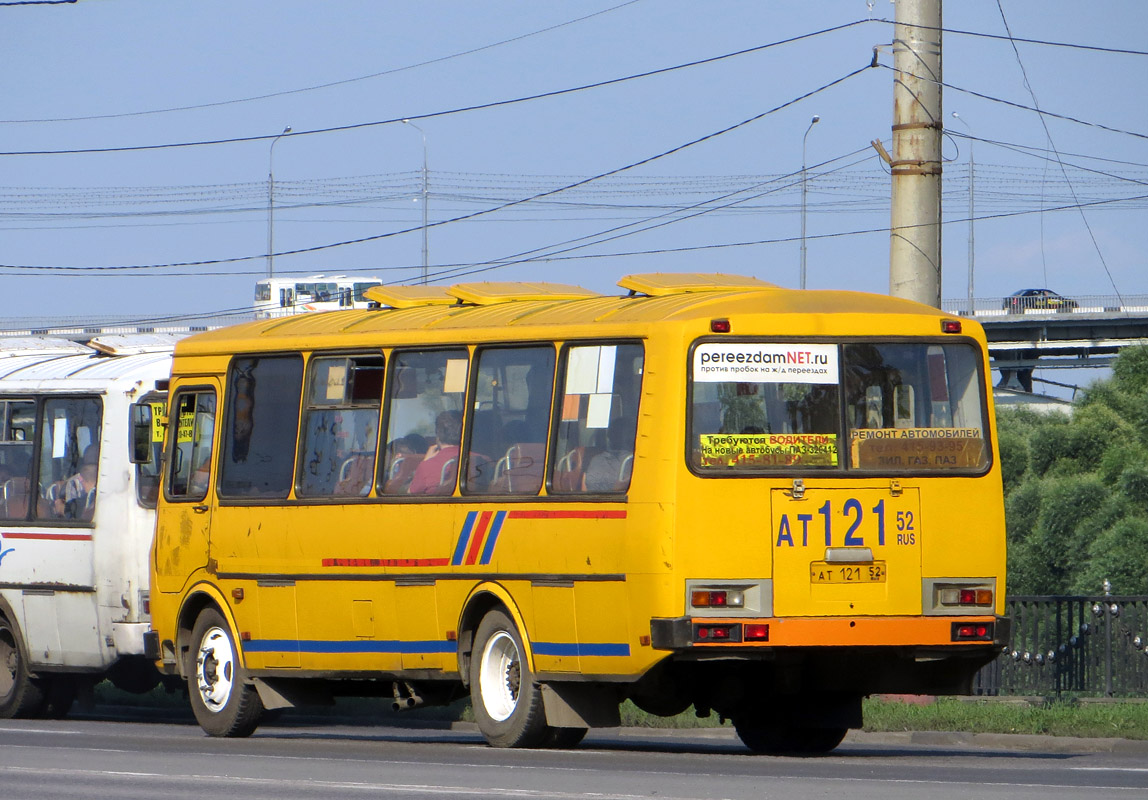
972, 207
423, 134
812, 122
271, 203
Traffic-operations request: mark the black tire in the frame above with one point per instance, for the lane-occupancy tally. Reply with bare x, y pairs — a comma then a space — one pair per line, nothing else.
20, 694
564, 738
224, 703
59, 693
776, 738
507, 702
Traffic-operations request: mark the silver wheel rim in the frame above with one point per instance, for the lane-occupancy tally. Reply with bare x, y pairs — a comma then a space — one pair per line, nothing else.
215, 669
500, 676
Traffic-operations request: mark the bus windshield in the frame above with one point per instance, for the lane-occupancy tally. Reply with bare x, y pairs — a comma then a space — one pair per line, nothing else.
873, 406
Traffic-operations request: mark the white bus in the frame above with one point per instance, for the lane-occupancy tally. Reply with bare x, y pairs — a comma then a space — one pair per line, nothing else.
76, 516
283, 297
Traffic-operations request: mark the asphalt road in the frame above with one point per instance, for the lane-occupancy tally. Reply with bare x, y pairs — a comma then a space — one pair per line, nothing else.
93, 758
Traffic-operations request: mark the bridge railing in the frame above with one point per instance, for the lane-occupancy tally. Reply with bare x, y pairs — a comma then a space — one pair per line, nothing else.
1017, 306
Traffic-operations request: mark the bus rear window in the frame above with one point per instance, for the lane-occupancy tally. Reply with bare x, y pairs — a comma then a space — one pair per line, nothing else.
914, 407
900, 407
768, 406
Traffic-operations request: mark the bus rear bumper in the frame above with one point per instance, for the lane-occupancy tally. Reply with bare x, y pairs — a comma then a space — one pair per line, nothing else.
716, 634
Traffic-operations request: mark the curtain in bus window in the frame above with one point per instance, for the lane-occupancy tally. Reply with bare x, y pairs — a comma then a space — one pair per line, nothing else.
424, 422
16, 442
194, 428
914, 406
69, 458
340, 427
506, 453
261, 427
764, 406
598, 418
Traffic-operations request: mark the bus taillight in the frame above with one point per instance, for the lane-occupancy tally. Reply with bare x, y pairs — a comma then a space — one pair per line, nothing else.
716, 598
972, 631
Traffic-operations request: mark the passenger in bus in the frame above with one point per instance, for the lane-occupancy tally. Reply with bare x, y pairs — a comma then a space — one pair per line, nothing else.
404, 456
609, 470
436, 473
79, 496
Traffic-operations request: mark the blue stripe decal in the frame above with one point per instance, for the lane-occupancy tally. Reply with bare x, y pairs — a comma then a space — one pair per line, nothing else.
580, 649
356, 646
463, 538
492, 537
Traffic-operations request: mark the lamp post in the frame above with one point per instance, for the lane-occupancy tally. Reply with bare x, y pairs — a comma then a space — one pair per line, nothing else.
812, 122
972, 206
271, 203
423, 134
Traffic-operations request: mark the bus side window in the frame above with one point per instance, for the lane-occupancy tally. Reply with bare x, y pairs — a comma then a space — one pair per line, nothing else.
261, 424
514, 385
18, 418
69, 458
425, 398
340, 427
191, 446
598, 422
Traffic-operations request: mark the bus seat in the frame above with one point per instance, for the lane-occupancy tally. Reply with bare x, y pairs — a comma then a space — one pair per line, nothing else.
570, 468
520, 470
15, 498
400, 471
447, 475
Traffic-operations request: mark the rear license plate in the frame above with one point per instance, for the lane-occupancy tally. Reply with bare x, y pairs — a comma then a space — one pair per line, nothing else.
870, 572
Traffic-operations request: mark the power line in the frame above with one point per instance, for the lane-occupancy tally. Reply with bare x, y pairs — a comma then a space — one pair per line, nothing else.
483, 212
317, 87
434, 114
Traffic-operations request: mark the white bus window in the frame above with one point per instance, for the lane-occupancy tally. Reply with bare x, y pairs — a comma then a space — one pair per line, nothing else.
340, 427
19, 419
261, 426
598, 418
424, 422
506, 453
147, 473
69, 457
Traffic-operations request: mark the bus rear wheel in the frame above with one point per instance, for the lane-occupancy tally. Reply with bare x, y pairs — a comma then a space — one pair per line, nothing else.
20, 695
773, 738
223, 702
506, 700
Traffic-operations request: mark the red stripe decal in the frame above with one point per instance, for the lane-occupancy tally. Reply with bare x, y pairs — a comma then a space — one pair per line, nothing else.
479, 535
539, 514
54, 537
385, 562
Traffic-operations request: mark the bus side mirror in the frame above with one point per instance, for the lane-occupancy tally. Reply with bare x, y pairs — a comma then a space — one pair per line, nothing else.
140, 427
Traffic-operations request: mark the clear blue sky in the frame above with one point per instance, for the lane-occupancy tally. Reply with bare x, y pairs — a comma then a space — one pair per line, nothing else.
67, 63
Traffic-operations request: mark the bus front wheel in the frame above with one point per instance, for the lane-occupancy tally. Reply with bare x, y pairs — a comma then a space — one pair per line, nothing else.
506, 700
20, 695
223, 702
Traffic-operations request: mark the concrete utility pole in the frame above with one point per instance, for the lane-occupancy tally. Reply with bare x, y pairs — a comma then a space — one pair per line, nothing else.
915, 239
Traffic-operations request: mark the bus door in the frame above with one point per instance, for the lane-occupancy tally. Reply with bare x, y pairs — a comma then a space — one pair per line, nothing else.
184, 521
846, 551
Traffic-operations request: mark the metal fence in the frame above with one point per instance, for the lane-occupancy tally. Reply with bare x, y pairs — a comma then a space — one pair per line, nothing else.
1086, 646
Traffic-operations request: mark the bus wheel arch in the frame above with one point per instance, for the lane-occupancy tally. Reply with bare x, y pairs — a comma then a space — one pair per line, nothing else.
482, 600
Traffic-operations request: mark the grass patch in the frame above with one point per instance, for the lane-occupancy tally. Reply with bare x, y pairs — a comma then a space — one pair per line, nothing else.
1065, 718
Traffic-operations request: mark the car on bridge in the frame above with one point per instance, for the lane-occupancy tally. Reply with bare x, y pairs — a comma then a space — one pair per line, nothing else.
1037, 299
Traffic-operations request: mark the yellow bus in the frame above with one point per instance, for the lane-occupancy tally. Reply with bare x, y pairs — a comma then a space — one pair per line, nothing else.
710, 491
